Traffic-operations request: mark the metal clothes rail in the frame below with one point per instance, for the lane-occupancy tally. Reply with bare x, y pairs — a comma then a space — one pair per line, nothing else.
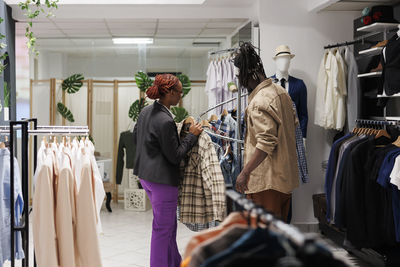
285, 229
25, 133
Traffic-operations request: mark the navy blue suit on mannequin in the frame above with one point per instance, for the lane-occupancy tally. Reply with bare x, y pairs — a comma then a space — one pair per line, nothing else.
298, 93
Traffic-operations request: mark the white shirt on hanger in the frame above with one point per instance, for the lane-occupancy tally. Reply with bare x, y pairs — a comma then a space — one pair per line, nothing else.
279, 77
395, 174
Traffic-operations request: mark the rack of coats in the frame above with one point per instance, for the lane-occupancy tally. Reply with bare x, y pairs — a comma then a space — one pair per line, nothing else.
67, 200
361, 184
68, 194
337, 88
253, 237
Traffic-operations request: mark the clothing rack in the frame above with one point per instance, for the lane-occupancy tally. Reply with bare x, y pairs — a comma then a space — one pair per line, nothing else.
285, 229
223, 51
25, 133
343, 44
377, 122
238, 126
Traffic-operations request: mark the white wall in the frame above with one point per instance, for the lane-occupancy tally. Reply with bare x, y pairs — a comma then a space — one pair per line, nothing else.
289, 22
127, 65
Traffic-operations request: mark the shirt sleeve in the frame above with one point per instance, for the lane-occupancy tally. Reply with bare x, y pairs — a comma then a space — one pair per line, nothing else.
173, 149
302, 110
120, 160
395, 174
264, 125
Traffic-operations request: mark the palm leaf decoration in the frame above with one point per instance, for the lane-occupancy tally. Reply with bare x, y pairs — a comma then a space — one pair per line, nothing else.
65, 112
73, 83
136, 108
143, 81
180, 113
186, 84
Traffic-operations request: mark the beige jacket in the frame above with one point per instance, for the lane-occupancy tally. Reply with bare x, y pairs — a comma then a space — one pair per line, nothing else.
43, 217
86, 216
66, 211
270, 127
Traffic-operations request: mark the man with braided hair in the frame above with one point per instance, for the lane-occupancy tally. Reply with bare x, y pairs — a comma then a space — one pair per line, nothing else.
158, 155
270, 173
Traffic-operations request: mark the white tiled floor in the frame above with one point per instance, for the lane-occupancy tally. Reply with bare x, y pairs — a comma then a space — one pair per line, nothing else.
126, 239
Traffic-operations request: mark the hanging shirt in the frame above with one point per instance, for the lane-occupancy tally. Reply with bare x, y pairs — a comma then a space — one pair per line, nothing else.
202, 191
395, 174
87, 217
322, 85
66, 211
353, 88
211, 84
340, 90
43, 213
5, 205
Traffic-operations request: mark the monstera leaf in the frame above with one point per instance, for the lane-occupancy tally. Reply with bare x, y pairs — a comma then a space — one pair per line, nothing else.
143, 81
136, 108
180, 113
186, 84
73, 83
65, 112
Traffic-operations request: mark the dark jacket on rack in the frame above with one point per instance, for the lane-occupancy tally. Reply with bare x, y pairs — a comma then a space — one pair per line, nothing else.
158, 148
125, 142
391, 66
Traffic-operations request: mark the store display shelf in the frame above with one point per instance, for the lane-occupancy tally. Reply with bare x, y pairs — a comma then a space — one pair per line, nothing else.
378, 27
371, 52
370, 74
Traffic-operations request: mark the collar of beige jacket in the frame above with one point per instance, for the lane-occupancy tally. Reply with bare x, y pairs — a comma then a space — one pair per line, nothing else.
263, 84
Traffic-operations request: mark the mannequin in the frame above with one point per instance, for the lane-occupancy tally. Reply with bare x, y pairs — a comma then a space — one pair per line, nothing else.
295, 87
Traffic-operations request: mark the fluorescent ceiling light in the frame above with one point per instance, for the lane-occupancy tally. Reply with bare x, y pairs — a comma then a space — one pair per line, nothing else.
133, 40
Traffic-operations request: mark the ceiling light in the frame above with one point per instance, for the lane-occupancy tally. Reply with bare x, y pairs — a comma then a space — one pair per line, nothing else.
206, 44
133, 40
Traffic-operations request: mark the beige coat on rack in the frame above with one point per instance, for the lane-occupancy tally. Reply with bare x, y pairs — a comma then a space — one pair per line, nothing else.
66, 212
86, 215
43, 217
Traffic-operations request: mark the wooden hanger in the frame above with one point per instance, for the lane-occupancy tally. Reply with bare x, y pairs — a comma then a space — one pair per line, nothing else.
6, 138
397, 142
228, 150
381, 133
189, 120
213, 117
2, 145
224, 112
205, 123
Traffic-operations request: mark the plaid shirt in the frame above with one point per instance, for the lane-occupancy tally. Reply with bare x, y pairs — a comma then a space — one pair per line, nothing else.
202, 191
301, 153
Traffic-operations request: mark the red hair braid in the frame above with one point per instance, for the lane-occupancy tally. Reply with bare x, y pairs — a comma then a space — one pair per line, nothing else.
162, 85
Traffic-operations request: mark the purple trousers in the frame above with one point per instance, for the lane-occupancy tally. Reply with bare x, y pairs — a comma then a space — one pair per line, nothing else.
164, 199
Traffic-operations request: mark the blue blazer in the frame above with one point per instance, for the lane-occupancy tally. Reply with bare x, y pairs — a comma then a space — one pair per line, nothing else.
298, 93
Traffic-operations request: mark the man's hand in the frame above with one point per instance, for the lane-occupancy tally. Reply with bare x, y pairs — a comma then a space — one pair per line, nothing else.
242, 181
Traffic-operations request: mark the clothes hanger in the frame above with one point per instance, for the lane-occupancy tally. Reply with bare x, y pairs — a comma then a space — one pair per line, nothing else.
205, 123
2, 145
382, 132
228, 150
397, 142
189, 120
213, 117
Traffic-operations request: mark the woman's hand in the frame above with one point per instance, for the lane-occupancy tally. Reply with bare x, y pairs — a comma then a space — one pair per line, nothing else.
196, 129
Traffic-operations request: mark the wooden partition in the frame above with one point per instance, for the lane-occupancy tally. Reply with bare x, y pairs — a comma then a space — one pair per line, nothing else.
55, 94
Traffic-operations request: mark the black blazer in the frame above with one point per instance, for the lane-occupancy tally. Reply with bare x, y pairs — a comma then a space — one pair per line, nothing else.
158, 148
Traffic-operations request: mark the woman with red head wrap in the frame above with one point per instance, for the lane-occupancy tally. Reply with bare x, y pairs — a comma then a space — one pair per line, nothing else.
158, 154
